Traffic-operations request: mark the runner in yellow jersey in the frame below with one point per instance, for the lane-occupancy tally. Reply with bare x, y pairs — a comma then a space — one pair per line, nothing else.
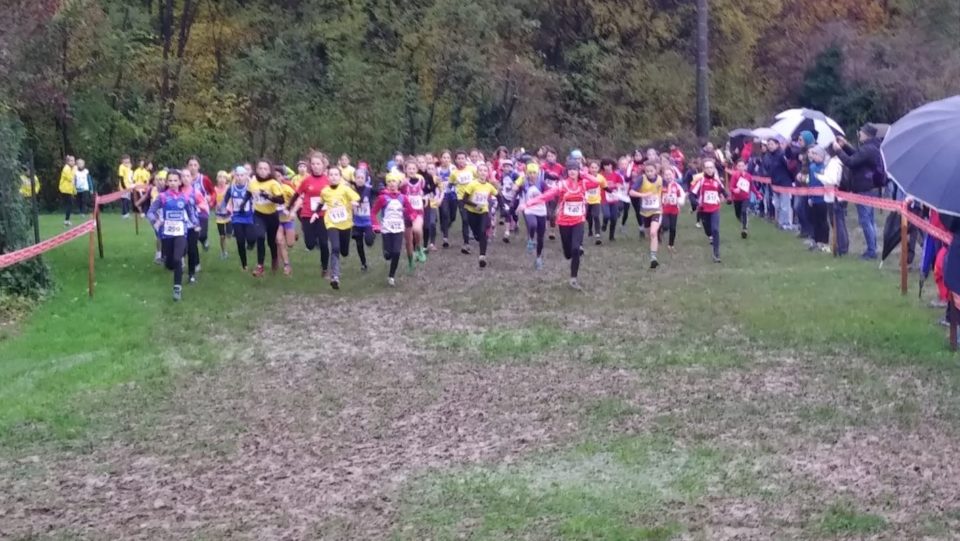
462, 174
648, 189
476, 199
340, 201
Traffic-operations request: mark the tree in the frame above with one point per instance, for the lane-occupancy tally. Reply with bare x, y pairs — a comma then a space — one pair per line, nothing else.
703, 73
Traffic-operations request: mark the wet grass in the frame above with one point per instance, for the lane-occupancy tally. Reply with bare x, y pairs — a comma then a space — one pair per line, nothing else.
813, 346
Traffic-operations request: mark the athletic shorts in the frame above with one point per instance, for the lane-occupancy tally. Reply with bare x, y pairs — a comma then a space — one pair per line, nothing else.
288, 226
648, 220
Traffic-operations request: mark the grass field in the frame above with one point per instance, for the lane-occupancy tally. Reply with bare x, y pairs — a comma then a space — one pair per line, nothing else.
778, 395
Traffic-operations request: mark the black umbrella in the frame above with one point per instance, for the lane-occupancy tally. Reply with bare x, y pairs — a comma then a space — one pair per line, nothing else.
891, 238
921, 153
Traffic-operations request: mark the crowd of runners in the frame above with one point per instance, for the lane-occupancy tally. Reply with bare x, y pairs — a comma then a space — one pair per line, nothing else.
415, 204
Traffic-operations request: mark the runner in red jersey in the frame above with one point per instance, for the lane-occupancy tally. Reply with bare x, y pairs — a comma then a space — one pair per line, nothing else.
711, 195
413, 187
397, 212
612, 196
571, 197
307, 200
673, 198
740, 187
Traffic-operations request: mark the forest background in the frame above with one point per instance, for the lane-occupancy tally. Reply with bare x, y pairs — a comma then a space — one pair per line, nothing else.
229, 80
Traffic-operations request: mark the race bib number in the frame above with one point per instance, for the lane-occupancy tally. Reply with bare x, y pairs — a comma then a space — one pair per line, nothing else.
650, 202
711, 198
174, 229
593, 192
416, 202
574, 208
364, 208
337, 215
393, 221
671, 199
479, 199
743, 185
237, 204
464, 178
315, 203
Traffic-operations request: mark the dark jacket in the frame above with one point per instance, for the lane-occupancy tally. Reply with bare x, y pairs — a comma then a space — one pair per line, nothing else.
951, 265
775, 165
864, 165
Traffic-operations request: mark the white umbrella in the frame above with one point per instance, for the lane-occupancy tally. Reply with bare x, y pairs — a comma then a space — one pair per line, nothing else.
811, 114
765, 134
823, 128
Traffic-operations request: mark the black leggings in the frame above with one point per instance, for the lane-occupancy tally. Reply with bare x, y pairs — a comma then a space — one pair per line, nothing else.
464, 216
711, 228
740, 209
610, 214
315, 235
536, 228
669, 222
67, 200
593, 219
448, 214
571, 238
429, 226
392, 245
246, 238
363, 235
267, 226
635, 203
479, 224
193, 251
172, 249
204, 228
817, 214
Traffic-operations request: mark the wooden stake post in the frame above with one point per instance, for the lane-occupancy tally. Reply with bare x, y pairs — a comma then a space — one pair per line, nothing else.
903, 251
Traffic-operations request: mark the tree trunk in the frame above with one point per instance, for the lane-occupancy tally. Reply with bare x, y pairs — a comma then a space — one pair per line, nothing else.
703, 70
170, 74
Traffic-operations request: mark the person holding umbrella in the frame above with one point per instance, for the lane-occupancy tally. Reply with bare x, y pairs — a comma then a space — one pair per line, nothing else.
921, 153
866, 176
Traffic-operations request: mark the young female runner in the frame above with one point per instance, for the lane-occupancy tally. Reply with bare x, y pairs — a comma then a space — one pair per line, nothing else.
571, 213
413, 187
396, 212
339, 204
172, 213
241, 214
362, 225
267, 195
673, 199
477, 197
647, 191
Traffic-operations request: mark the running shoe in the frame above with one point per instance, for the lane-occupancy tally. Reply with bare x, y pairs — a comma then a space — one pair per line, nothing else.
506, 240
223, 255
552, 236
446, 243
575, 285
483, 262
198, 268
672, 249
698, 226
335, 283
391, 282
465, 250
177, 293
937, 303
67, 223
363, 268
192, 279
716, 259
433, 247
422, 255
287, 269
597, 240
944, 322
206, 246
258, 271
538, 264
158, 260
743, 234
654, 263
530, 246
324, 273
410, 267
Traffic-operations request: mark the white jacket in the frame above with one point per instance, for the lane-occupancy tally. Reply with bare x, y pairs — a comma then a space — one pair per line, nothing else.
831, 176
